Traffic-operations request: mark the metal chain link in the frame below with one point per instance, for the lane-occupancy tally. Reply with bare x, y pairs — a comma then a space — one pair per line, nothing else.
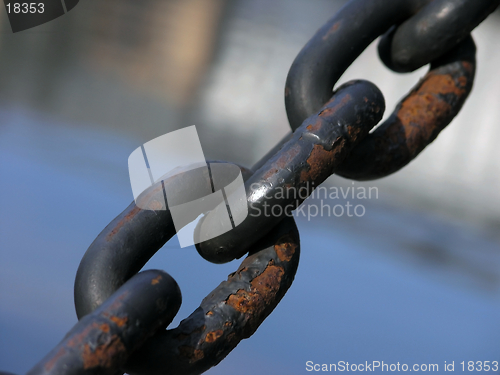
331, 135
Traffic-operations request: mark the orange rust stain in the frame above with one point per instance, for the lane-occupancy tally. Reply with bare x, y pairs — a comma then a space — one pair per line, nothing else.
320, 163
331, 110
120, 322
156, 280
423, 114
78, 338
441, 84
105, 355
263, 290
191, 353
316, 126
155, 205
122, 222
209, 313
332, 29
285, 248
214, 335
104, 328
228, 324
51, 363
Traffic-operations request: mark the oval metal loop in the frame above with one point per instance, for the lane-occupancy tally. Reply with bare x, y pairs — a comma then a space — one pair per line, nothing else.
434, 30
102, 341
230, 313
303, 163
417, 119
334, 47
128, 242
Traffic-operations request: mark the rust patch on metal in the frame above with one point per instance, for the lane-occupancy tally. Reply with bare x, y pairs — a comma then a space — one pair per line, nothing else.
156, 280
263, 290
423, 113
441, 84
209, 313
214, 335
105, 355
183, 336
332, 30
316, 126
328, 111
78, 338
320, 163
191, 353
122, 222
50, 364
104, 328
120, 322
285, 248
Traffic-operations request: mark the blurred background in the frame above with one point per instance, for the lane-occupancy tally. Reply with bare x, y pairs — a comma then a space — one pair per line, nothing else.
415, 280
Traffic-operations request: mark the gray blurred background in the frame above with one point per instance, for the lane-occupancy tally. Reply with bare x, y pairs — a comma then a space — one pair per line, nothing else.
415, 280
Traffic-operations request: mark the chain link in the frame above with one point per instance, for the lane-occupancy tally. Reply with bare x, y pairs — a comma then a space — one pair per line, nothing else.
113, 335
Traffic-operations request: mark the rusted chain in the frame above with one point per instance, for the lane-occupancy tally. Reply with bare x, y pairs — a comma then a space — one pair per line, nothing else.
231, 312
315, 149
128, 242
101, 342
114, 335
417, 119
435, 30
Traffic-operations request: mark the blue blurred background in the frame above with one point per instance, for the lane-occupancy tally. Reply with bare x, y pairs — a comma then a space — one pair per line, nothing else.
415, 280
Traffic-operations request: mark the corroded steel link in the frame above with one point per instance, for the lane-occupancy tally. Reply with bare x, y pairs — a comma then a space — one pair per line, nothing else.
433, 31
418, 118
304, 162
128, 242
231, 312
101, 342
334, 47
124, 314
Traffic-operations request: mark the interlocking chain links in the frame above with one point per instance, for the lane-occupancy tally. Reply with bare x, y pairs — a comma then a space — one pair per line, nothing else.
341, 40
311, 155
417, 119
129, 241
107, 334
230, 313
102, 341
